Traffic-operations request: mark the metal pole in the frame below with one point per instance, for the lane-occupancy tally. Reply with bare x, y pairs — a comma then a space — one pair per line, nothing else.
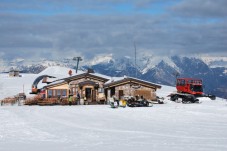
77, 65
78, 59
135, 58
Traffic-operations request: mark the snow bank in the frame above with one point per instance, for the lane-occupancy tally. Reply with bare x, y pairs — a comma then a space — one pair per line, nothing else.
165, 91
10, 86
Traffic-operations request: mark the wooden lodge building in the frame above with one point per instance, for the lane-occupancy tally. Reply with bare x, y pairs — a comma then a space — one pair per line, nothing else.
97, 88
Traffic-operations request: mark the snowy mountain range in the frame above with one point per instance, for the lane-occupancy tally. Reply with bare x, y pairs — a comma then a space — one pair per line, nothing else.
162, 70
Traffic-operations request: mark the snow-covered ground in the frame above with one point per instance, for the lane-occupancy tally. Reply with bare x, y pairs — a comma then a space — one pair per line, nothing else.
11, 86
163, 127
172, 126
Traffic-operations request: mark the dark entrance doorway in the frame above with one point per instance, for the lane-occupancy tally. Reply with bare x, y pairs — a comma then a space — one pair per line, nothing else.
88, 94
121, 93
112, 91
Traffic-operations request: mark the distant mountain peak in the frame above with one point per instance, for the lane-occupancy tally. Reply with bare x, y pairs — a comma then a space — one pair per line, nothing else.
214, 62
103, 58
153, 61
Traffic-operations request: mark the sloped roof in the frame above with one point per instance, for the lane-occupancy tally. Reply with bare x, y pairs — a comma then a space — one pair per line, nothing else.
55, 83
88, 75
79, 76
124, 80
88, 83
109, 81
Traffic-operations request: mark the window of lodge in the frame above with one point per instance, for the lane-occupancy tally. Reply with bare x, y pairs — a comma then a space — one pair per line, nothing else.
64, 92
50, 93
56, 93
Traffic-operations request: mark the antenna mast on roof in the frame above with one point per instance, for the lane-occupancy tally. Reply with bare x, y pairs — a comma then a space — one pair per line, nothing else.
135, 58
78, 59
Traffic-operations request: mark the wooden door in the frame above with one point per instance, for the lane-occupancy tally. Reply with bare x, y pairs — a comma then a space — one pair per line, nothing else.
93, 95
121, 93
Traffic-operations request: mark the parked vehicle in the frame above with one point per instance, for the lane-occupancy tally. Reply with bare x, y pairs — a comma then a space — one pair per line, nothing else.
138, 102
189, 90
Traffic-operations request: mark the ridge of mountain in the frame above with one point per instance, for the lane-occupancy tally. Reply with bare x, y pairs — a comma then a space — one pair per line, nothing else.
160, 70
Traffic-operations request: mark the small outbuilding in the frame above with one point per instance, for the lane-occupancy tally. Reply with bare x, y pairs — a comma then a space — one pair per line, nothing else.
129, 86
14, 73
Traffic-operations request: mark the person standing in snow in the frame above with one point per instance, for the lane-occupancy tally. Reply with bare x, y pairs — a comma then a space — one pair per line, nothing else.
116, 100
78, 98
85, 100
70, 100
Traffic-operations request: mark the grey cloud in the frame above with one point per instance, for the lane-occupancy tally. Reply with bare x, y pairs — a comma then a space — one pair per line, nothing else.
113, 34
201, 8
60, 35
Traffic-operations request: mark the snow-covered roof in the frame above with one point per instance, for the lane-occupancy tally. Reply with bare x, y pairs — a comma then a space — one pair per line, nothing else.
118, 80
114, 79
97, 75
101, 75
55, 83
78, 75
62, 75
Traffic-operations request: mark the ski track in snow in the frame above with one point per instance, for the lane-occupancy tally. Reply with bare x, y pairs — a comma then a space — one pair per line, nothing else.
172, 126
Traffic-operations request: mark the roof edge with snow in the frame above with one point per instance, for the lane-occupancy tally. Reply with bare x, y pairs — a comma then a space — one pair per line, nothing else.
132, 80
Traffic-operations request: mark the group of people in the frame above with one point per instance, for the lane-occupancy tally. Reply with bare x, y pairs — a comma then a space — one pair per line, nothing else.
114, 102
76, 99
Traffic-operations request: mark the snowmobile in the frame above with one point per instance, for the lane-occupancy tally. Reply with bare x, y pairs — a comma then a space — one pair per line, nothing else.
134, 102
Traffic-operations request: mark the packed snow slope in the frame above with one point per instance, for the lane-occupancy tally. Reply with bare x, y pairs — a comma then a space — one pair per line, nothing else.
171, 126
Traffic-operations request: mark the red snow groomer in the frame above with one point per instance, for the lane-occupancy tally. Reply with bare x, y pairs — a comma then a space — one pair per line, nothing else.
189, 89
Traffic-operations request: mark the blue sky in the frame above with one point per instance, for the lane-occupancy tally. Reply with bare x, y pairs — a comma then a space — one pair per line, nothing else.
126, 8
48, 28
